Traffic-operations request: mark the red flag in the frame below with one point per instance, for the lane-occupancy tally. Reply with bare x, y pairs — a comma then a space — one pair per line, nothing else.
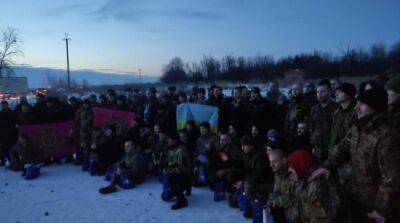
53, 139
104, 116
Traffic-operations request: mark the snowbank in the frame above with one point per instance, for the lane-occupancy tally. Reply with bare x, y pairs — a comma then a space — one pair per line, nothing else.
63, 193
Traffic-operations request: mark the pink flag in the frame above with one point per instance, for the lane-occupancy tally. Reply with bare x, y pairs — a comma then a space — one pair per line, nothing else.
52, 139
104, 116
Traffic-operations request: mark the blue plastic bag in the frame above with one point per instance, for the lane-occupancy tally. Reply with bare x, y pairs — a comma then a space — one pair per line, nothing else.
202, 158
267, 217
219, 193
257, 212
166, 194
201, 175
242, 201
32, 171
109, 173
126, 182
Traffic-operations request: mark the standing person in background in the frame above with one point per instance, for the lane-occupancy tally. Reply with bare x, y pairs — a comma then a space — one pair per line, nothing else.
393, 90
298, 111
310, 94
151, 108
201, 96
222, 103
238, 110
343, 118
372, 146
8, 131
344, 115
320, 121
273, 92
83, 127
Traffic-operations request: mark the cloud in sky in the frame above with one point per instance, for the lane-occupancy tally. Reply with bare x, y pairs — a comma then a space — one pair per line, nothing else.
134, 11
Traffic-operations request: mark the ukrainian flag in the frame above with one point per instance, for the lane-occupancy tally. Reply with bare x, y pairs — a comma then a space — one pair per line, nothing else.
198, 113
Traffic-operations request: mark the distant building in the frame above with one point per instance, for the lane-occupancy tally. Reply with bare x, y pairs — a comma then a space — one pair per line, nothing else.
294, 75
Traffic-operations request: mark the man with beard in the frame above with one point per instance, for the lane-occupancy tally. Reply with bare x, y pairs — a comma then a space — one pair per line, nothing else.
225, 162
372, 146
320, 121
297, 112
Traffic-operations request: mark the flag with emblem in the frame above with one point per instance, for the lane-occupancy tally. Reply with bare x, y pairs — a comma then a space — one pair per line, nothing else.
52, 139
121, 119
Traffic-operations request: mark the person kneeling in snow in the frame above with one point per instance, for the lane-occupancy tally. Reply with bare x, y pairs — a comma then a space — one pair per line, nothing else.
179, 171
131, 166
23, 153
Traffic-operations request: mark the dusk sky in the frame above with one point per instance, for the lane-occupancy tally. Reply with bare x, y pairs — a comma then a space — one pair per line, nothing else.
126, 35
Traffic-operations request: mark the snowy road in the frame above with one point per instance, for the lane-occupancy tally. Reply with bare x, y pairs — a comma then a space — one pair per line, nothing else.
65, 194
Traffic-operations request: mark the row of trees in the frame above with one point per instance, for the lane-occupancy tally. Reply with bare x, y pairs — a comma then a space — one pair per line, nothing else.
378, 59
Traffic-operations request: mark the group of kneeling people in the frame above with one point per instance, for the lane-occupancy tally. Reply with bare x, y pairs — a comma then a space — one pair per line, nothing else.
241, 168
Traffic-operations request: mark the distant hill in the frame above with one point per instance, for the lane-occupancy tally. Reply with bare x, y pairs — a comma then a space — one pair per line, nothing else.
38, 76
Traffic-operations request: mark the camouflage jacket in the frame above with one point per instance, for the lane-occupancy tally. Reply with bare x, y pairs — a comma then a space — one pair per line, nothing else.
342, 121
179, 161
320, 124
297, 112
283, 195
318, 201
134, 165
202, 141
373, 149
84, 119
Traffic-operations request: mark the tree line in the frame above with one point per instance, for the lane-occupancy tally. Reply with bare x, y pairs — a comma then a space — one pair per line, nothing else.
378, 59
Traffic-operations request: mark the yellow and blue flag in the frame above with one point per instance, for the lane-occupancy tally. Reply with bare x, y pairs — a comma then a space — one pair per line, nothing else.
198, 113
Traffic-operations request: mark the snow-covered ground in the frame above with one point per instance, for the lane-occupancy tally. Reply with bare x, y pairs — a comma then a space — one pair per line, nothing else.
63, 193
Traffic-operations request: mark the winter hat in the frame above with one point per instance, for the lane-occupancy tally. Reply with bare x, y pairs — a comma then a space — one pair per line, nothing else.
394, 84
256, 90
375, 98
247, 141
153, 90
301, 161
348, 89
325, 82
206, 125
273, 135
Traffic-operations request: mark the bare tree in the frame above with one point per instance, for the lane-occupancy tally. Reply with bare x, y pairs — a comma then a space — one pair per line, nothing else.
9, 48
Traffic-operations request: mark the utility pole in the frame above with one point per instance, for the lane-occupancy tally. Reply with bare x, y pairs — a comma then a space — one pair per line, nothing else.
66, 46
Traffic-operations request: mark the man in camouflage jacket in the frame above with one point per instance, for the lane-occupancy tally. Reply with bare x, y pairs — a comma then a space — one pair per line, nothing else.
373, 149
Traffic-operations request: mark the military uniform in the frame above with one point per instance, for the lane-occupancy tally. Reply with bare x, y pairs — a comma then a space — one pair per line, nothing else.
283, 196
320, 124
297, 112
318, 201
373, 150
